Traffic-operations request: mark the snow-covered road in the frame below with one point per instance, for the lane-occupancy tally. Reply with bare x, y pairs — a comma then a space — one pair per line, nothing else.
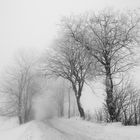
67, 129
42, 130
51, 130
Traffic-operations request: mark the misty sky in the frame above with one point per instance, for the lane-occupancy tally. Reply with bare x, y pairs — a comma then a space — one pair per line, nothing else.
34, 23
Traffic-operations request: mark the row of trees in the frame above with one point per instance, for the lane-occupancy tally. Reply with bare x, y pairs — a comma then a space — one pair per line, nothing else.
23, 82
95, 45
90, 46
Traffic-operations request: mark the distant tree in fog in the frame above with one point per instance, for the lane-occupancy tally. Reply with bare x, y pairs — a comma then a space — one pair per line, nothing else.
18, 88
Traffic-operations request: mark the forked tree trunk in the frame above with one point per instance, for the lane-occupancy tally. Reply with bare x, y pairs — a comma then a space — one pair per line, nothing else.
78, 96
81, 110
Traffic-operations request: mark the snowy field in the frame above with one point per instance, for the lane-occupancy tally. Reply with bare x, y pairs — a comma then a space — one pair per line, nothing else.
64, 129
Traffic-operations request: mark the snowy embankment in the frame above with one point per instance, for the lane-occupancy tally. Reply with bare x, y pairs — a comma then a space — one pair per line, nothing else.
64, 129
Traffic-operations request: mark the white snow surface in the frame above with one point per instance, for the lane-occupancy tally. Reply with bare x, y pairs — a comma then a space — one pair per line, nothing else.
66, 129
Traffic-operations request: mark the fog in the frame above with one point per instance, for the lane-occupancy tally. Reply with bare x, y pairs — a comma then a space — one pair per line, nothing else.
45, 106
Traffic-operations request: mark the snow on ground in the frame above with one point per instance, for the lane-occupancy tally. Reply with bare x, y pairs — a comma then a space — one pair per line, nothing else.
66, 129
8, 123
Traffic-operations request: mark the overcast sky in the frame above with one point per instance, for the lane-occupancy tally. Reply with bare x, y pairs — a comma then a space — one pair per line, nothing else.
34, 23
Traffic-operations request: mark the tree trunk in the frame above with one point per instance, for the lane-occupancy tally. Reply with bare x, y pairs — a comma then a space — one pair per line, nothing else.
20, 112
109, 91
81, 110
27, 115
78, 96
135, 115
139, 111
21, 121
69, 103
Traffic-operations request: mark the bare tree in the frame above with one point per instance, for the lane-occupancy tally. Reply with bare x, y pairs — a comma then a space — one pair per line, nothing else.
110, 38
18, 87
131, 108
126, 100
71, 62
